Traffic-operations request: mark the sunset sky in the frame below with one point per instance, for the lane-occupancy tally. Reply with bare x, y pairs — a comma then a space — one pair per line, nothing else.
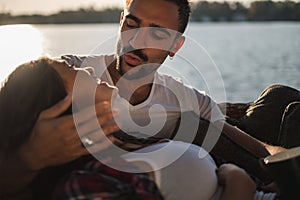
52, 6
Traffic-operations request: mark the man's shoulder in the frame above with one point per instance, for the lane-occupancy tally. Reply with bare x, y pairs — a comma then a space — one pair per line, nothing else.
94, 60
166, 78
169, 80
176, 84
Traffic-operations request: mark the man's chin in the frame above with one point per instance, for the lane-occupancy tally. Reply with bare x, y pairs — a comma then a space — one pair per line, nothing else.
134, 75
130, 72
137, 73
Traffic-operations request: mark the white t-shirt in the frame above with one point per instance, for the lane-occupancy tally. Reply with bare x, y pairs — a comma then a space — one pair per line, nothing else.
169, 98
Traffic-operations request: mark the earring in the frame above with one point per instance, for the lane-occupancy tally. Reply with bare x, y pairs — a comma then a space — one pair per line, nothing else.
171, 57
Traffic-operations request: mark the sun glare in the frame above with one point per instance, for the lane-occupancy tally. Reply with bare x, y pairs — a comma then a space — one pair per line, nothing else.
18, 44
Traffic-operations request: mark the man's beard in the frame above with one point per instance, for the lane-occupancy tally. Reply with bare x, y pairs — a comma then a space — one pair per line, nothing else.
136, 72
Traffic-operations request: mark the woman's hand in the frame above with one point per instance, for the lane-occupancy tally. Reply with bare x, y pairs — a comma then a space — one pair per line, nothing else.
236, 182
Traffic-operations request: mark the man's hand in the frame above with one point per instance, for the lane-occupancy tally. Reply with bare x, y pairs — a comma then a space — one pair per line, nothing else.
54, 140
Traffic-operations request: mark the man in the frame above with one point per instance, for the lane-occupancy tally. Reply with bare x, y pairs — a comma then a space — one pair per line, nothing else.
146, 39
134, 71
135, 64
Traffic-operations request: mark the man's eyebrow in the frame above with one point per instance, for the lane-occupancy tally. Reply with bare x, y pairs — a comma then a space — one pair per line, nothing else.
130, 16
137, 20
163, 29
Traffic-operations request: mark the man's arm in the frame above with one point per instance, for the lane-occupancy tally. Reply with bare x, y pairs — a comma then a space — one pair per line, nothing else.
15, 175
246, 150
19, 168
251, 144
235, 146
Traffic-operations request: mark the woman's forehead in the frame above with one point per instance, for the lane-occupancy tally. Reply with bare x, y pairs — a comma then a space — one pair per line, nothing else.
63, 69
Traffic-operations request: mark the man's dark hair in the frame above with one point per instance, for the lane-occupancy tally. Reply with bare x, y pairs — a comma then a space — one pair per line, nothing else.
184, 11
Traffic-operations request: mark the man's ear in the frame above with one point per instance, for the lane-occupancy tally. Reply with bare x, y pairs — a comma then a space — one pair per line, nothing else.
177, 45
121, 17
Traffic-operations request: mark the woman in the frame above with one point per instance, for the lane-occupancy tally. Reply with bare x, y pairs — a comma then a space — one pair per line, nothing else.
36, 86
44, 82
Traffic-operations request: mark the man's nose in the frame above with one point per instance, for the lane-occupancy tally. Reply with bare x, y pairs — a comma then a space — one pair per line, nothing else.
139, 39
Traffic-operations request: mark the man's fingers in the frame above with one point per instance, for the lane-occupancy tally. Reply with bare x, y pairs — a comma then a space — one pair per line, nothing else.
105, 143
110, 128
57, 109
93, 126
99, 134
92, 111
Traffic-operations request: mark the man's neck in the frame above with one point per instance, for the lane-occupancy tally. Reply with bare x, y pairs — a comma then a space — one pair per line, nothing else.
135, 91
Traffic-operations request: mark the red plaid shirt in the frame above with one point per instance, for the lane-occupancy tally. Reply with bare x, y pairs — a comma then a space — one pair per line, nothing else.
96, 180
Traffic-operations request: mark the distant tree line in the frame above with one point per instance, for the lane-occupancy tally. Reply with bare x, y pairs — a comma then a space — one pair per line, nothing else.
268, 10
256, 11
65, 17
201, 11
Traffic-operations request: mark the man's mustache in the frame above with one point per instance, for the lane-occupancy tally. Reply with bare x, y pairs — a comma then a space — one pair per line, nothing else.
137, 52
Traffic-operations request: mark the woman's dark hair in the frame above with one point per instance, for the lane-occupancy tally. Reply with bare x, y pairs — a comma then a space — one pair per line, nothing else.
29, 89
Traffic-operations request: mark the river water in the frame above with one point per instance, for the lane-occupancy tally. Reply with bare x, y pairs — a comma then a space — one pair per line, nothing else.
230, 61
